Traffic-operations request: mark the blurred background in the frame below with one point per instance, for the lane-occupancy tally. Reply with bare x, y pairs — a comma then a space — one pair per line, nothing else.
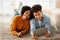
8, 7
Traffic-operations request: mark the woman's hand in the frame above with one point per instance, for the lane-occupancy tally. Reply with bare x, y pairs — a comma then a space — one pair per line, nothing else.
19, 34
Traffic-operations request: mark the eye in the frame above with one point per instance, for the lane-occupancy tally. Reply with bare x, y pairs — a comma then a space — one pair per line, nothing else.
26, 13
35, 15
38, 14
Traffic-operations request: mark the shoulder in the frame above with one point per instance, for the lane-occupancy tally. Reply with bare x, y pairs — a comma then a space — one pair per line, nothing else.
16, 17
33, 21
46, 16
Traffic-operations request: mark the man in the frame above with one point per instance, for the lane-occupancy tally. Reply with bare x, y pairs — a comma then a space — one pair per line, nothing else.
39, 20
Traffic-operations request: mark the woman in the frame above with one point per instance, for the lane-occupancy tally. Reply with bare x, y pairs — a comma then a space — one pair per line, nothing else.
20, 24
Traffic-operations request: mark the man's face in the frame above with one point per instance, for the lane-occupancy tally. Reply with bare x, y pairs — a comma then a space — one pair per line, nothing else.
38, 15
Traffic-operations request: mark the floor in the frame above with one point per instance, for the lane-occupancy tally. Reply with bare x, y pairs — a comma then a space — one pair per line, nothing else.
5, 34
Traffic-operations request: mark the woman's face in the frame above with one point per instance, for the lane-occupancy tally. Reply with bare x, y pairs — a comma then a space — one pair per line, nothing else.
26, 14
38, 15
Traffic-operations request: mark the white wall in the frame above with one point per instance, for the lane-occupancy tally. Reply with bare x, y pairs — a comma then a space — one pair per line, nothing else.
7, 6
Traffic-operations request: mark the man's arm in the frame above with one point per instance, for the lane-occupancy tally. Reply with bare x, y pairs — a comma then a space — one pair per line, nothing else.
32, 26
48, 25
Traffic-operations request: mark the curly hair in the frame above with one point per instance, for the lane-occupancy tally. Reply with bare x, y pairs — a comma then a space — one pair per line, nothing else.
25, 8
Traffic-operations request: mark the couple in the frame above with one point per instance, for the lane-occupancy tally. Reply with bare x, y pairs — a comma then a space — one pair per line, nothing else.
30, 19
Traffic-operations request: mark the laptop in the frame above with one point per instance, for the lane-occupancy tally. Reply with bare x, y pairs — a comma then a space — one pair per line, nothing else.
40, 31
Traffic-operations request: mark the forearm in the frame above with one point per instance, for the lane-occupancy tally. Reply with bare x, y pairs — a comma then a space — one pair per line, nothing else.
26, 30
14, 32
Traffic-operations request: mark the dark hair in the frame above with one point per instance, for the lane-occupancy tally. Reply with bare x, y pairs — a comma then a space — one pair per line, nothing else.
25, 8
31, 16
36, 8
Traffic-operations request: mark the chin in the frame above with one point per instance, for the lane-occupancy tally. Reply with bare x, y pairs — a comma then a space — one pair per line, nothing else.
26, 18
39, 19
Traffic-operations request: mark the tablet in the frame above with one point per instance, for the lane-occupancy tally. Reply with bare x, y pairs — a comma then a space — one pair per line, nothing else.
40, 31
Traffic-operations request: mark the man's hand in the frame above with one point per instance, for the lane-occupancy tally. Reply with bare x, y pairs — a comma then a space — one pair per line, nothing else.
34, 37
19, 34
47, 34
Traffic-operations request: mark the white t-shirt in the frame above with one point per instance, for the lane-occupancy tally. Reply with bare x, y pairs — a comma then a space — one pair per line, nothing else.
39, 23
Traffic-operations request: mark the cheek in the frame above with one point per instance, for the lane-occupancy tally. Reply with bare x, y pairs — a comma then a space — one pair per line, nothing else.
24, 14
40, 15
36, 16
28, 16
